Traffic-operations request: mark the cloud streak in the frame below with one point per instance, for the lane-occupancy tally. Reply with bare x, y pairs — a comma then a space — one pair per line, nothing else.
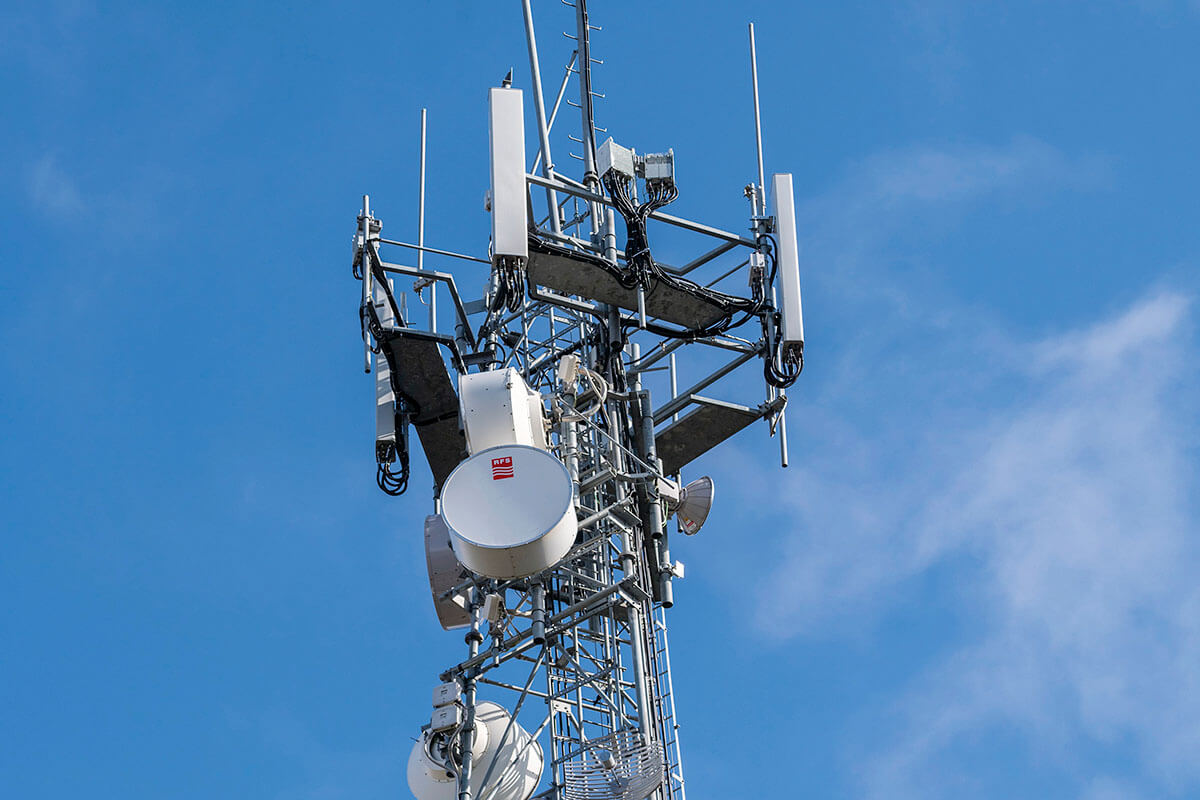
1053, 477
51, 189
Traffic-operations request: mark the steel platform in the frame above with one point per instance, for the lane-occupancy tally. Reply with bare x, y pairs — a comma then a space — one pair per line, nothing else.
572, 272
694, 434
420, 377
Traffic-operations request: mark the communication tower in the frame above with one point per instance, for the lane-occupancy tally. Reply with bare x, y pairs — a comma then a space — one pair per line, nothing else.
555, 474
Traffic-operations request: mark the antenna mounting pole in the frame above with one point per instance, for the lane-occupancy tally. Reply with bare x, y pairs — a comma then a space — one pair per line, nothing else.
761, 200
540, 109
421, 230
583, 37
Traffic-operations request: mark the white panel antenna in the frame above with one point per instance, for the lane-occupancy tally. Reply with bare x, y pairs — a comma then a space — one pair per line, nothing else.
506, 128
792, 332
385, 398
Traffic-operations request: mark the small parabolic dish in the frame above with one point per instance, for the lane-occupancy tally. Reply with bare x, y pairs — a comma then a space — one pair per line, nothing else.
445, 572
695, 501
518, 761
510, 511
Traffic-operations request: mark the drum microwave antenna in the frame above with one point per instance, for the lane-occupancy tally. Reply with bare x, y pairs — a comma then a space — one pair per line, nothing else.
555, 473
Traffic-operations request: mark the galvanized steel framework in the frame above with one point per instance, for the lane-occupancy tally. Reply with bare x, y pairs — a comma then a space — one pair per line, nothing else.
588, 637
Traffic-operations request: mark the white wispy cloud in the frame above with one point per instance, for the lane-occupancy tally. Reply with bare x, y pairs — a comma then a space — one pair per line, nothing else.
51, 189
1075, 503
1054, 475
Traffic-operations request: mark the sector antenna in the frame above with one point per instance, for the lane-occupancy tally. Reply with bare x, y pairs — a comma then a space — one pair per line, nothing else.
548, 408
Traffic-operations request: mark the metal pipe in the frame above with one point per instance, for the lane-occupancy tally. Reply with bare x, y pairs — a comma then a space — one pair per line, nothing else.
568, 439
658, 531
421, 200
666, 651
586, 111
467, 737
674, 387
783, 445
679, 222
714, 282
367, 288
695, 263
562, 89
610, 240
478, 659
679, 402
421, 230
445, 277
540, 113
762, 185
434, 250
538, 595
512, 720
661, 351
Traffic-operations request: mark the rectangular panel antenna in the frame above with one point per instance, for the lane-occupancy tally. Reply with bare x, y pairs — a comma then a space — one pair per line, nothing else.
506, 136
792, 332
385, 399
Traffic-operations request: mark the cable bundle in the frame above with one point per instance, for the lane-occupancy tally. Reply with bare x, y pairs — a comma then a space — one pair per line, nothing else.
643, 272
782, 369
390, 482
510, 285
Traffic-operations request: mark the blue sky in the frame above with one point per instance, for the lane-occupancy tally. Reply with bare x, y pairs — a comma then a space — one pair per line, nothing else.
977, 578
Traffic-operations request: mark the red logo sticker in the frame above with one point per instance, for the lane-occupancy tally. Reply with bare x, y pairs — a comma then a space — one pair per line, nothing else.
502, 468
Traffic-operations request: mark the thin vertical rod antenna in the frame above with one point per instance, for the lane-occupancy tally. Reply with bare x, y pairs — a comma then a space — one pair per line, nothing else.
583, 36
540, 109
421, 229
367, 289
762, 181
421, 198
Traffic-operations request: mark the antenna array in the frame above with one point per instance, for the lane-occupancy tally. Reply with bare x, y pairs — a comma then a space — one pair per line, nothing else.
555, 474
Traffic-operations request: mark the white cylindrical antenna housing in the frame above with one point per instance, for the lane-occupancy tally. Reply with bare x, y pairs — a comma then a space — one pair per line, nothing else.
510, 511
499, 407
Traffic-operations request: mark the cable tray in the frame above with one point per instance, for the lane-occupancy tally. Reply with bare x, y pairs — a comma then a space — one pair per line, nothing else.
711, 423
420, 377
585, 275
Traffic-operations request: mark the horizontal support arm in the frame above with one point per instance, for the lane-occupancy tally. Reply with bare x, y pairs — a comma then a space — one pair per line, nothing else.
678, 222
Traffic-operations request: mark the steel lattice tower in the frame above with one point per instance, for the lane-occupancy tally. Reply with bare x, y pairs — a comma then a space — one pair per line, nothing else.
577, 651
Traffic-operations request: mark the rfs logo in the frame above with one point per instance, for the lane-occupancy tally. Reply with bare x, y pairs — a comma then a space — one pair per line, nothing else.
502, 468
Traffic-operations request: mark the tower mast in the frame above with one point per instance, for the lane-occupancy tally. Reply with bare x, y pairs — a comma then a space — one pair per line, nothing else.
554, 472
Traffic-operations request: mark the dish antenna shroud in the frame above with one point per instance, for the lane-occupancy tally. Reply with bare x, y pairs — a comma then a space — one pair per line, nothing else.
510, 511
620, 766
695, 501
